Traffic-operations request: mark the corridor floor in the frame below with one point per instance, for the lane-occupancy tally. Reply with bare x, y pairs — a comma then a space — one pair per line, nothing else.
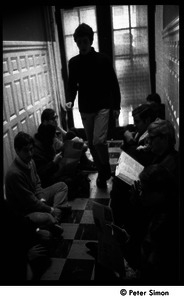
71, 261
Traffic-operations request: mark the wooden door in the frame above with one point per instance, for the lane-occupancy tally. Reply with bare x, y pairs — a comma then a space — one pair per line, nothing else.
27, 90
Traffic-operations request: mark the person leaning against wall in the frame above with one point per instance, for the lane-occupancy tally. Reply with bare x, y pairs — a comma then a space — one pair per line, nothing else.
24, 192
91, 74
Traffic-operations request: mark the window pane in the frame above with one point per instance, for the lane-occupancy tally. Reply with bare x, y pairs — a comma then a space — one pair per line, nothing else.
138, 14
120, 16
70, 21
122, 42
88, 16
140, 41
133, 77
131, 56
71, 47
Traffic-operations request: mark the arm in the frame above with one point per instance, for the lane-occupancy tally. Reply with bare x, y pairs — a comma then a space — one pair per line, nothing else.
38, 190
72, 83
18, 190
44, 166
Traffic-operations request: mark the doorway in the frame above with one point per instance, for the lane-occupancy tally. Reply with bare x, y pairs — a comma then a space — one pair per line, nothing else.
129, 43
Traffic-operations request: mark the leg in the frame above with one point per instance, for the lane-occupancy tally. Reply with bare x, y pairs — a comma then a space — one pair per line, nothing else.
45, 221
42, 219
56, 195
88, 123
100, 142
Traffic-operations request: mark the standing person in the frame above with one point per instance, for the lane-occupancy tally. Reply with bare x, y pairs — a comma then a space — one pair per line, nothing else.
25, 193
93, 76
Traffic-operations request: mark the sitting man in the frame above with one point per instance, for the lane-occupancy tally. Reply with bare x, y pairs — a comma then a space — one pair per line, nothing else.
155, 101
24, 192
155, 210
49, 116
136, 145
135, 137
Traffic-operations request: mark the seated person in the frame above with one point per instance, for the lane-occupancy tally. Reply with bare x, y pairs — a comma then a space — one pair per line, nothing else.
52, 167
135, 137
155, 101
30, 255
155, 209
135, 144
49, 116
24, 192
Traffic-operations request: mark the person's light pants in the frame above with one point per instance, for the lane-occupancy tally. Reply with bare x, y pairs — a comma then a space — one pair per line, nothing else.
96, 129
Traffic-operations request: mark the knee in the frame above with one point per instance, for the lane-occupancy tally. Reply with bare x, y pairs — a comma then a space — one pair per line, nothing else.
41, 219
61, 187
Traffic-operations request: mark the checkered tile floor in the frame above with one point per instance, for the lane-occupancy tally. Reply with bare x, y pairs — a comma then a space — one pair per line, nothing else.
71, 260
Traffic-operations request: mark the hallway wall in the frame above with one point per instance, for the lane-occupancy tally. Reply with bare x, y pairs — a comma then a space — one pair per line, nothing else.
167, 61
30, 75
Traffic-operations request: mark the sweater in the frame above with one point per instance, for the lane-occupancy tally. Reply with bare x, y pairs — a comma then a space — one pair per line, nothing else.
93, 76
43, 157
23, 188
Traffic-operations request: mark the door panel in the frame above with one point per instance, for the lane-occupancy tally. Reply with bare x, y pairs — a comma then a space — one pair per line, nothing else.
27, 90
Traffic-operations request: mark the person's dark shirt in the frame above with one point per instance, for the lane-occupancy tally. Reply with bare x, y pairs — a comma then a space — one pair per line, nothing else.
94, 78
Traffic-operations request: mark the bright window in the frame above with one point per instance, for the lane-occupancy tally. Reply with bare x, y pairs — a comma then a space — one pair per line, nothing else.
131, 59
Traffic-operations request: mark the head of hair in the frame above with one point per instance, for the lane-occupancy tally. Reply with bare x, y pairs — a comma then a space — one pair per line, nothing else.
46, 133
83, 30
163, 128
22, 140
144, 111
154, 98
47, 114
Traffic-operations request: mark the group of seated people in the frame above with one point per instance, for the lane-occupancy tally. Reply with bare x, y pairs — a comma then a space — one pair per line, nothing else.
40, 182
148, 211
38, 188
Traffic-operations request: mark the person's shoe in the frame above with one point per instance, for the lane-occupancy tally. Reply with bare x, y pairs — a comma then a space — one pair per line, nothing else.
101, 182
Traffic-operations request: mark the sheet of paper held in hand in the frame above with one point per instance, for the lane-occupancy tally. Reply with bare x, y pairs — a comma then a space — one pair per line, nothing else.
128, 169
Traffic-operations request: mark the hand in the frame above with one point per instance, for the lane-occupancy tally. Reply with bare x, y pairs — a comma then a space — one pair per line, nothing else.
68, 105
42, 200
57, 158
135, 192
128, 136
55, 212
37, 251
77, 139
